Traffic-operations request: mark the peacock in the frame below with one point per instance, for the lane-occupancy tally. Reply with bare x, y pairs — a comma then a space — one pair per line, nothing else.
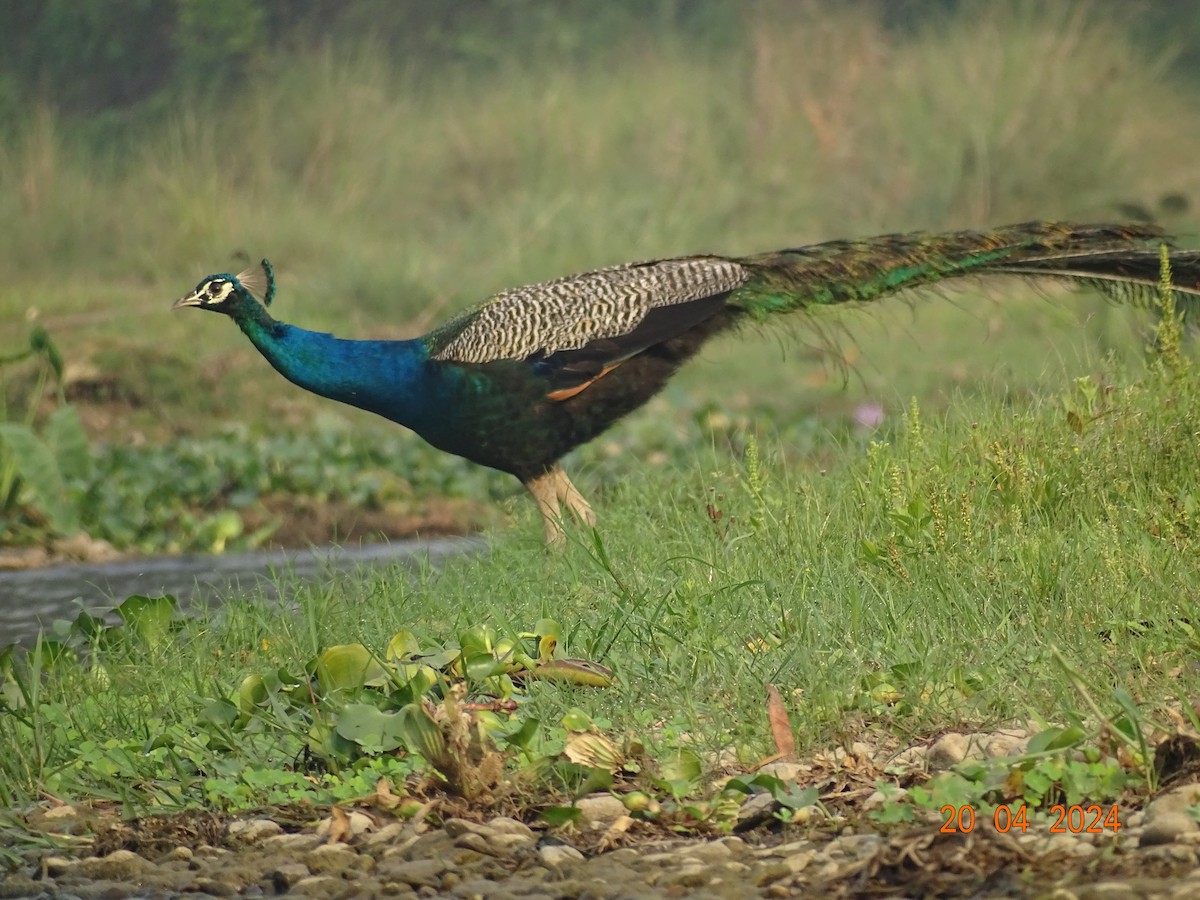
535, 371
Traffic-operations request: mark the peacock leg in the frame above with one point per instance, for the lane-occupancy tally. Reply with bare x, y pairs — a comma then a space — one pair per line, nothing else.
544, 489
551, 489
573, 499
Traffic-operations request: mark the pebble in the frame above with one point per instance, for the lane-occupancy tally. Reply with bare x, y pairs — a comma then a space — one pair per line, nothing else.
559, 854
287, 875
947, 751
600, 810
251, 831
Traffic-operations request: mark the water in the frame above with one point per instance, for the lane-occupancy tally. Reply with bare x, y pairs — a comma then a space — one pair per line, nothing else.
31, 599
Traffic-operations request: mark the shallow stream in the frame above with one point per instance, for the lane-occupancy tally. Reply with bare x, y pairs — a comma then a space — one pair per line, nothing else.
34, 598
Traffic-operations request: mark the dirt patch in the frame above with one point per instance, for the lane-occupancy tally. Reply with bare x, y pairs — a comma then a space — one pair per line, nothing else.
302, 522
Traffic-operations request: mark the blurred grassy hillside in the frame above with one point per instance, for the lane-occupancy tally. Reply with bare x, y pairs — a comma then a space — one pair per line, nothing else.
394, 175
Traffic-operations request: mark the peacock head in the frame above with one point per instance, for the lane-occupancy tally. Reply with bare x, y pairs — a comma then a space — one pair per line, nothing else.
228, 294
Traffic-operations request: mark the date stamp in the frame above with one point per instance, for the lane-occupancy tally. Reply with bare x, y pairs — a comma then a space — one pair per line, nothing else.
1074, 819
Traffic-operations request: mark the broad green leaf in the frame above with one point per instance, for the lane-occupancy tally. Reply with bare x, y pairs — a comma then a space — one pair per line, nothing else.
251, 694
577, 720
402, 646
65, 435
348, 667
482, 664
480, 639
556, 816
1052, 739
149, 618
420, 733
369, 727
682, 765
38, 471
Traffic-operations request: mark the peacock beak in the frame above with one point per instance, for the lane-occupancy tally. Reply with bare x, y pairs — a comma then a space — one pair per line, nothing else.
192, 299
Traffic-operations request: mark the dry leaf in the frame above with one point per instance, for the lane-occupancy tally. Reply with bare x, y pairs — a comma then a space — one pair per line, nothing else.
339, 826
594, 750
781, 728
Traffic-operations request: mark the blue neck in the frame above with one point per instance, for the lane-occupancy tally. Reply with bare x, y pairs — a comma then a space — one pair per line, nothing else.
385, 377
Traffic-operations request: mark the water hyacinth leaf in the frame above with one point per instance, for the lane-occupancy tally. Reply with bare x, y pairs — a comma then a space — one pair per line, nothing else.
577, 720
65, 435
88, 626
252, 693
37, 469
369, 727
149, 618
442, 658
548, 628
480, 639
402, 646
347, 667
481, 665
682, 765
574, 671
523, 736
420, 733
220, 712
418, 678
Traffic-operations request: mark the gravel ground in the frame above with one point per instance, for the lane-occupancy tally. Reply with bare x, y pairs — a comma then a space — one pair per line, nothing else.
503, 857
368, 853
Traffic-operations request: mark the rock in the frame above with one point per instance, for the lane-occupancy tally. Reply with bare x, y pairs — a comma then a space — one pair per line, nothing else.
457, 827
1000, 744
772, 873
504, 844
948, 751
912, 759
1168, 818
21, 887
600, 810
711, 852
477, 842
120, 865
855, 845
215, 887
288, 875
558, 855
480, 888
291, 843
385, 835
334, 859
1166, 828
178, 854
417, 872
506, 825
798, 862
54, 866
251, 831
317, 886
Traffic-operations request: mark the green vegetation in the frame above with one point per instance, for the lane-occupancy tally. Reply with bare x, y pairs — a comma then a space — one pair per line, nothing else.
1017, 543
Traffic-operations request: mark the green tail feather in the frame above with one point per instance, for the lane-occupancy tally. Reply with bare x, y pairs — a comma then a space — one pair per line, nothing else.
1122, 261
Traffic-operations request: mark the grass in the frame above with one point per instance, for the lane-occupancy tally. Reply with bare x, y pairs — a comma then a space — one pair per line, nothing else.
951, 573
1024, 531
